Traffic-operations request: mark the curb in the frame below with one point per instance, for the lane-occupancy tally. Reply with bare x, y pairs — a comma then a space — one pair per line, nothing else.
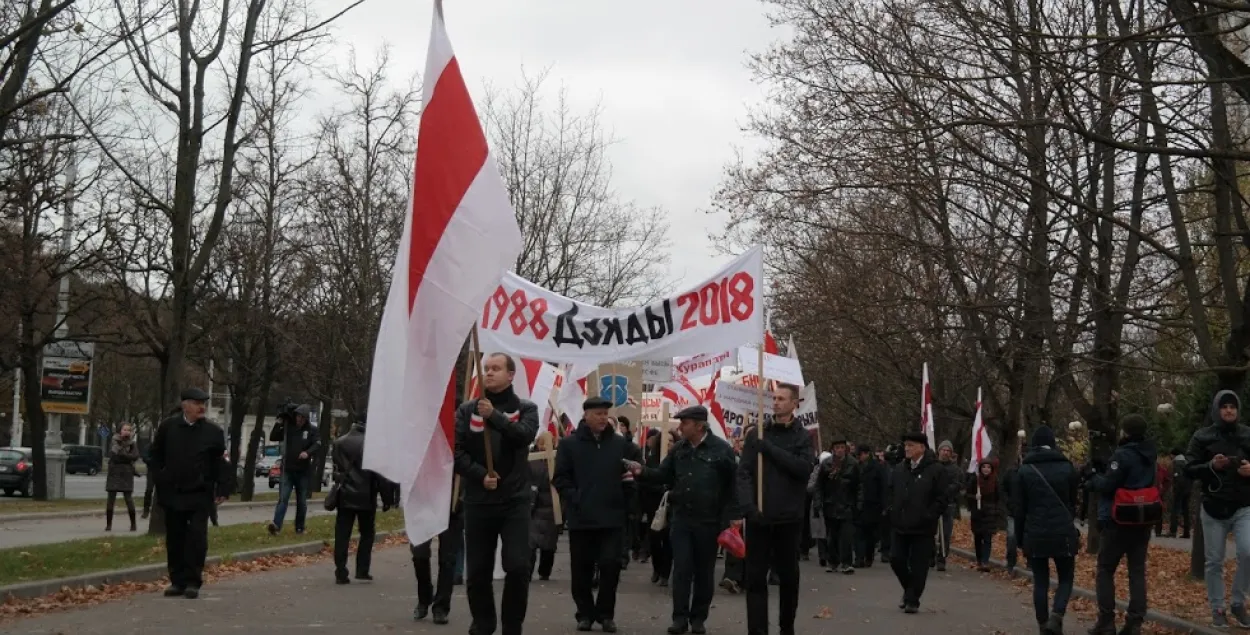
88, 513
152, 572
1163, 619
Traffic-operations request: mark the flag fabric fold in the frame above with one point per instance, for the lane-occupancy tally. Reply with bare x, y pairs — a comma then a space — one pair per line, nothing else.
460, 236
926, 410
981, 444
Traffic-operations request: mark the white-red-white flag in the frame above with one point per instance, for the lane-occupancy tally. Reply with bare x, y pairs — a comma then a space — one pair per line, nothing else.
460, 236
981, 444
926, 410
791, 351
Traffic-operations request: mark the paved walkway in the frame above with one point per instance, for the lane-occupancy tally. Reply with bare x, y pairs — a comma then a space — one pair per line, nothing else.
299, 599
21, 533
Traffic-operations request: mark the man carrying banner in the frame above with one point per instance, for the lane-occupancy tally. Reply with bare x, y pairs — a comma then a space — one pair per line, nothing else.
700, 472
591, 474
496, 501
773, 533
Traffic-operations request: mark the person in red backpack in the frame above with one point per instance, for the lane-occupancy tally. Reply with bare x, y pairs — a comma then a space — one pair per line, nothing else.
1131, 469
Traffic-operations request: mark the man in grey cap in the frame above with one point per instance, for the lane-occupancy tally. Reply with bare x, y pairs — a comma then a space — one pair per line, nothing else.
946, 457
700, 471
191, 477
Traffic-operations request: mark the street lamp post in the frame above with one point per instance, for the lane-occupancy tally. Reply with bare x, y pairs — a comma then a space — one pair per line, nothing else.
54, 455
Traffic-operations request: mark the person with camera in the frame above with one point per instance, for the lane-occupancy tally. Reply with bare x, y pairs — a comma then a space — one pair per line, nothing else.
1125, 532
774, 531
190, 479
354, 500
301, 443
497, 501
1219, 457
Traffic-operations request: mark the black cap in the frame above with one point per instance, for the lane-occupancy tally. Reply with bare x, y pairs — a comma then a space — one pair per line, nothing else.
596, 403
1134, 426
864, 449
916, 437
194, 394
837, 441
695, 413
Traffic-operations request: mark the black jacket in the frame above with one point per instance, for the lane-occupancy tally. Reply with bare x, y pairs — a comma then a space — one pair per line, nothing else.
296, 439
873, 481
1044, 490
589, 474
1132, 466
510, 438
837, 488
188, 465
788, 461
701, 481
359, 488
1225, 490
919, 496
1007, 485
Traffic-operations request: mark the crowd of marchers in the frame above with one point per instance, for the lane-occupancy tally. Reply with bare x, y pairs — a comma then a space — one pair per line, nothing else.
703, 500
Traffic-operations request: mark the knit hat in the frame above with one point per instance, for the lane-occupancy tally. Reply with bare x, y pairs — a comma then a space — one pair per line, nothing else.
1134, 426
946, 445
1043, 437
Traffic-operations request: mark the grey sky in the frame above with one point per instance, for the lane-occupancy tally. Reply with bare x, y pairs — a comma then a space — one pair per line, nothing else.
671, 78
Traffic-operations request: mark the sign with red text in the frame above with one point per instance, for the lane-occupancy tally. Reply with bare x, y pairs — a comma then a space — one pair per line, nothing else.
776, 367
702, 364
720, 313
652, 407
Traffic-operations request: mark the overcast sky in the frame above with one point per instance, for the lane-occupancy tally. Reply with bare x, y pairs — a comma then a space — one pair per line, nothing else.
671, 78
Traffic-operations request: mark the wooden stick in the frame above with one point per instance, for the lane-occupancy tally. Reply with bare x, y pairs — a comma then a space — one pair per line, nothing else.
549, 455
481, 386
464, 396
663, 430
759, 431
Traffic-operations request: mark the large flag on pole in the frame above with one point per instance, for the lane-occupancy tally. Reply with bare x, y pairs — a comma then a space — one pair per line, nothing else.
460, 236
926, 410
981, 444
791, 351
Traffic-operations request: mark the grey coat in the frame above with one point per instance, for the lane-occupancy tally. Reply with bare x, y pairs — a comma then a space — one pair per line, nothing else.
122, 457
543, 531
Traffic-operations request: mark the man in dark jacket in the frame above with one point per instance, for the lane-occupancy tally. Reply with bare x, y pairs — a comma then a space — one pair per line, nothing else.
955, 476
1219, 456
773, 533
700, 473
837, 488
869, 506
632, 543
357, 504
1132, 467
919, 491
1182, 486
190, 478
301, 444
497, 498
590, 475
651, 493
436, 596
1007, 485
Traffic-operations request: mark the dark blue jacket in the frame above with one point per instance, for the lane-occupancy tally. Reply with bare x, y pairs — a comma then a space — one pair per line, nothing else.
1044, 504
1132, 466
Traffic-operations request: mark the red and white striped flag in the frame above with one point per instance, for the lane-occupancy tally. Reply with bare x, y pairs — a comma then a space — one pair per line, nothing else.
926, 410
460, 236
981, 444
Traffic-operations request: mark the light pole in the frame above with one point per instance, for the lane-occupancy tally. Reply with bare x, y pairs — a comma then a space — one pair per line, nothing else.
54, 456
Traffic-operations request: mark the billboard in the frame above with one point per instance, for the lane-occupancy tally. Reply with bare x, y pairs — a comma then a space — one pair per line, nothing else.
65, 377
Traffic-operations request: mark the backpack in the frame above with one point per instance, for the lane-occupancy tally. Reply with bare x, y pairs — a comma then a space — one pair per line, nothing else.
1138, 507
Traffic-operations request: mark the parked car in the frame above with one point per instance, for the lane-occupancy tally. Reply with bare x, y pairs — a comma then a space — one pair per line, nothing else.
84, 459
275, 474
17, 472
270, 454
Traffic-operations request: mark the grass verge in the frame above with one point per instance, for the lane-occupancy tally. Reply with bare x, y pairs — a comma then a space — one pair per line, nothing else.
27, 506
59, 560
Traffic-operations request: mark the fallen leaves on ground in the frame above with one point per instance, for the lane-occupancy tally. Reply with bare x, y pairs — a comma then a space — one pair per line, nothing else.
71, 598
824, 613
1169, 589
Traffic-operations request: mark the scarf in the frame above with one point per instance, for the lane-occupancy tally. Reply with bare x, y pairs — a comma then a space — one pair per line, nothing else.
505, 401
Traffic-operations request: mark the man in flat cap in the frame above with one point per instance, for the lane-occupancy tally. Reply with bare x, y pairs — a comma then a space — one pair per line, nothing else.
591, 475
700, 471
191, 477
919, 492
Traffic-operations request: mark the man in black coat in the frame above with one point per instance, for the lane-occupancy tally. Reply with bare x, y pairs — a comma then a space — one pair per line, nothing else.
190, 478
431, 595
773, 532
591, 475
357, 495
632, 542
301, 445
919, 494
837, 487
700, 472
869, 505
496, 501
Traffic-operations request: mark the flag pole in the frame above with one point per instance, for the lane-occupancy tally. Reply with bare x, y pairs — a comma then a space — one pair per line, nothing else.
464, 396
759, 431
481, 386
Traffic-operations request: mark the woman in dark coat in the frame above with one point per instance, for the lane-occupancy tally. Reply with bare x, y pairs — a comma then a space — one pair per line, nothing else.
543, 531
985, 510
123, 452
1046, 496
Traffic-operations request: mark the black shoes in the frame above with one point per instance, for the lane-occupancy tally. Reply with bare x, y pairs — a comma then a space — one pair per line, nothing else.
421, 611
364, 577
172, 591
697, 628
679, 627
191, 593
584, 625
608, 626
440, 617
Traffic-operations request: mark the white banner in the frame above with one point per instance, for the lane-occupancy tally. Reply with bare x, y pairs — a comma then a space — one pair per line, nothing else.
699, 365
724, 311
652, 407
657, 371
807, 412
739, 398
776, 367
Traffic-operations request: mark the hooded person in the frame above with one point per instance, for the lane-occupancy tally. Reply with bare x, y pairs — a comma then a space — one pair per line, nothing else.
1219, 457
301, 445
1044, 492
1132, 467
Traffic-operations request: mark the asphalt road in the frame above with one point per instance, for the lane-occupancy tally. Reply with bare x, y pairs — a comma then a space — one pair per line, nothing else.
305, 599
83, 487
